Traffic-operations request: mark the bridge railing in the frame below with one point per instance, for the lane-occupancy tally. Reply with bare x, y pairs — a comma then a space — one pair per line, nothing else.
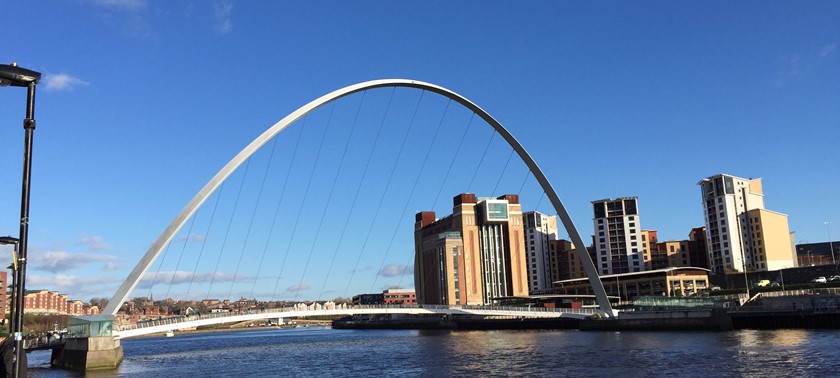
432, 308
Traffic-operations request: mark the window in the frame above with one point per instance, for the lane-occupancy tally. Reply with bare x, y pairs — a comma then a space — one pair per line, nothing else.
632, 224
632, 237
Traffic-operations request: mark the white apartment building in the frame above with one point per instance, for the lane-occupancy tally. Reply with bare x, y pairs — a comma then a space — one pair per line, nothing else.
738, 235
540, 230
618, 242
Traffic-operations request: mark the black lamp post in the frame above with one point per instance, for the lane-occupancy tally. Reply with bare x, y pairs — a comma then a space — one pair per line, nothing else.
12, 75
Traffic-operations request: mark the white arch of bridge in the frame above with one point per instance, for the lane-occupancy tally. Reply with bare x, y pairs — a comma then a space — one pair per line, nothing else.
155, 249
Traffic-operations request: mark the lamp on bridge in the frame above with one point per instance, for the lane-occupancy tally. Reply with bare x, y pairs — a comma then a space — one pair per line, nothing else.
12, 75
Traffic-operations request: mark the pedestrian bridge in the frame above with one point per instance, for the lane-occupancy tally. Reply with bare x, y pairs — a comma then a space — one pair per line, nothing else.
182, 322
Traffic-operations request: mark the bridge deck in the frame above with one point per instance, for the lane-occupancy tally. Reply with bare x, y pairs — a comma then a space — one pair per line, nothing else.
181, 322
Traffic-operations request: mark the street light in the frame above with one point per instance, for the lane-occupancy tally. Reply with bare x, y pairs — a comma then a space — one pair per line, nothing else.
12, 75
830, 244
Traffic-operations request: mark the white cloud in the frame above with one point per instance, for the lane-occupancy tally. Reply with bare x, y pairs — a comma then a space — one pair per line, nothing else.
95, 243
75, 286
59, 261
193, 238
396, 270
124, 5
62, 81
297, 288
222, 10
112, 266
179, 277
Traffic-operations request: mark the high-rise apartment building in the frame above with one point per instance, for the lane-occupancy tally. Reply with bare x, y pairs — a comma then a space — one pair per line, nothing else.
740, 234
540, 231
565, 262
618, 244
474, 255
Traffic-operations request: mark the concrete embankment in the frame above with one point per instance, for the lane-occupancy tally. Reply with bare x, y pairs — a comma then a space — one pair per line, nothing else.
670, 320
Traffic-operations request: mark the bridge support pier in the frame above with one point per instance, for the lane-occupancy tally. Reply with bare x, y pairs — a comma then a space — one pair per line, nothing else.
90, 345
88, 353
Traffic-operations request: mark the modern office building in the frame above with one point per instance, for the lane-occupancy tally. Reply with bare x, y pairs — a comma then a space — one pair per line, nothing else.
540, 231
697, 248
740, 233
668, 282
618, 244
654, 259
811, 254
399, 297
676, 253
564, 261
474, 255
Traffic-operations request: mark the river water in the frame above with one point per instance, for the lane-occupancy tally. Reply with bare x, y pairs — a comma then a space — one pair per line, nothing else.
325, 352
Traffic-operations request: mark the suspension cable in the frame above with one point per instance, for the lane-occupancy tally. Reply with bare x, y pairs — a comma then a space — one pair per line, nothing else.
452, 162
204, 242
356, 196
469, 187
358, 188
499, 181
387, 185
330, 195
180, 256
303, 202
227, 232
413, 188
253, 215
276, 210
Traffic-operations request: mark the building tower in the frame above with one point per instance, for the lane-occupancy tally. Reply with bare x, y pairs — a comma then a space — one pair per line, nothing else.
473, 256
740, 233
617, 236
540, 231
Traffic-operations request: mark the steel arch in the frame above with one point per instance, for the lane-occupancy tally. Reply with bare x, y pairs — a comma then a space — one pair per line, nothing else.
154, 250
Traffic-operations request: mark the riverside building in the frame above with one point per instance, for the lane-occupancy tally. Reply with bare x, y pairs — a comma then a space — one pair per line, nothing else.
740, 233
472, 256
618, 242
540, 232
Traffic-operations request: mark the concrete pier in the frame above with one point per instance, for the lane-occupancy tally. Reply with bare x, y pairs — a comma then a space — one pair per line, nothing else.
89, 353
90, 345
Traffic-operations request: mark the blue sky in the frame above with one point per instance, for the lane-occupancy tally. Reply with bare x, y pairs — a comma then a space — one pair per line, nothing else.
142, 102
